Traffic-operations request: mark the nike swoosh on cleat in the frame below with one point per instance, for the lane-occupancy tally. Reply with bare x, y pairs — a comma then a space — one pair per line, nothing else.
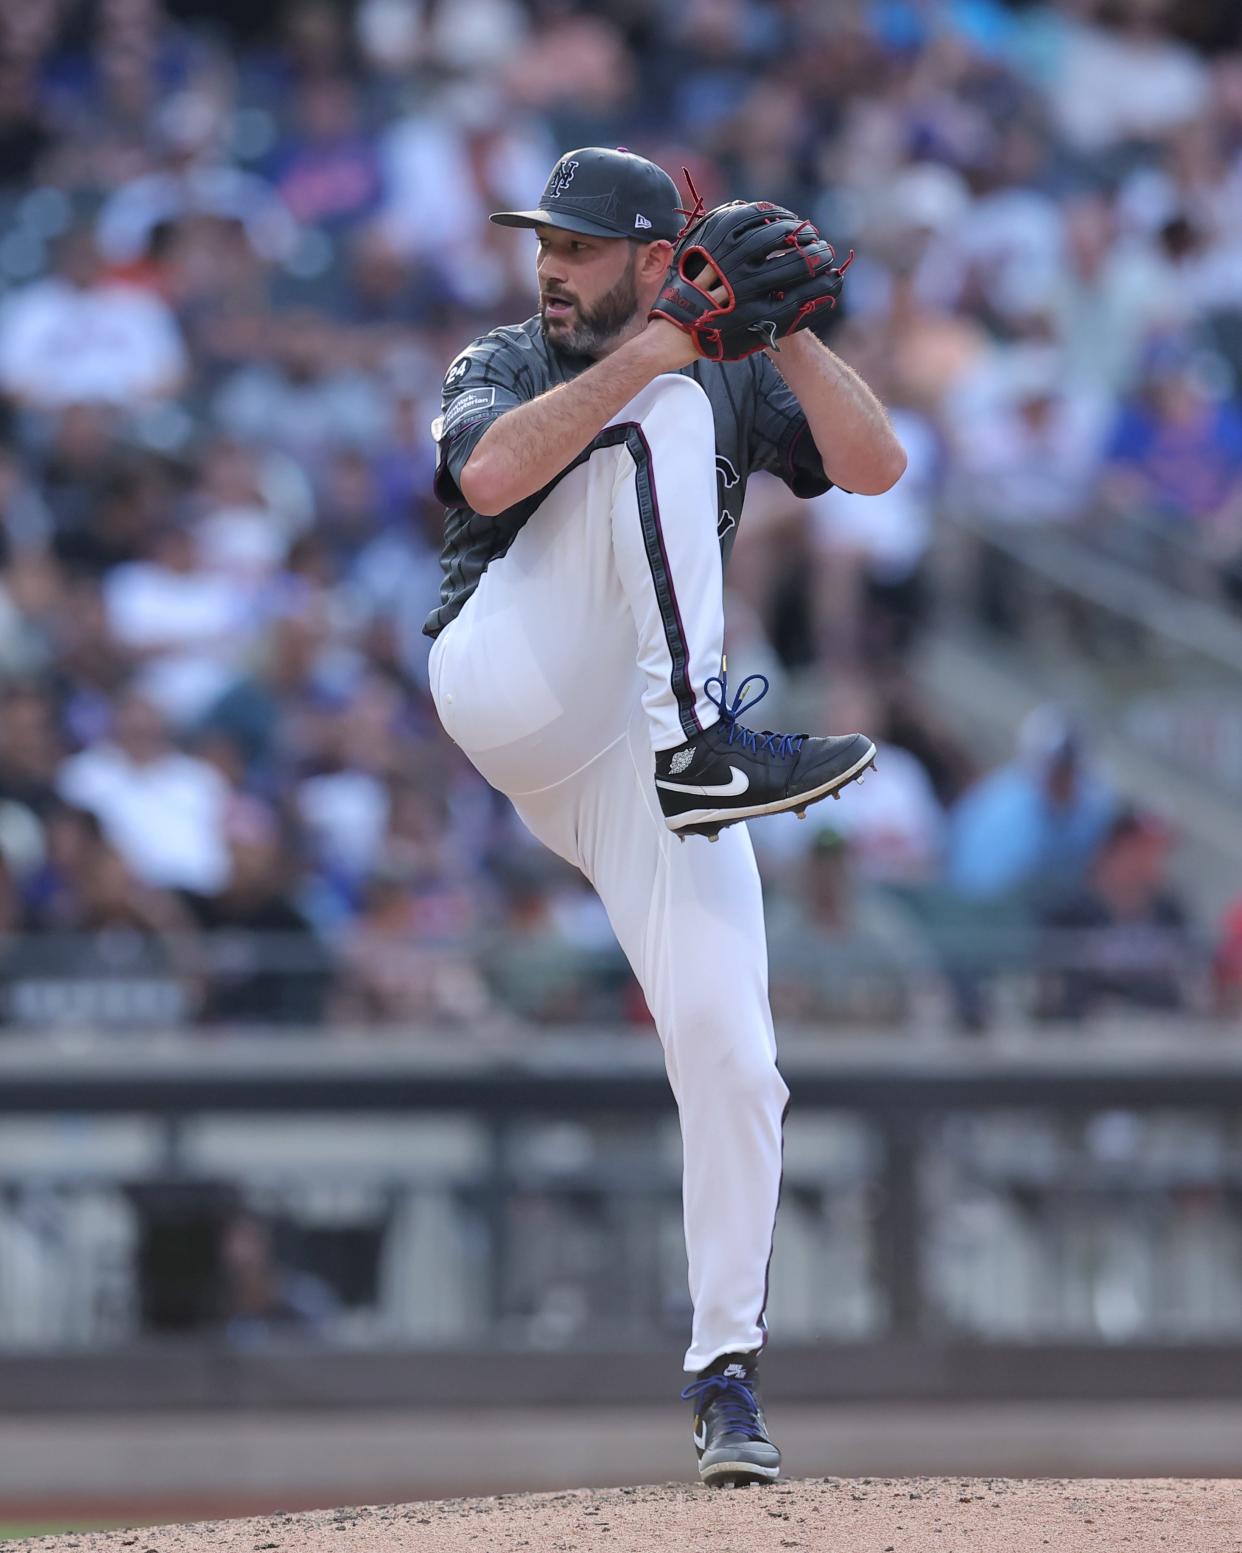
739, 783
700, 1437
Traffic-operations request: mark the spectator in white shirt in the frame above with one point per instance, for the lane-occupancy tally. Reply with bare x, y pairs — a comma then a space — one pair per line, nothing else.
1125, 79
77, 337
1106, 301
1026, 445
163, 810
870, 550
188, 626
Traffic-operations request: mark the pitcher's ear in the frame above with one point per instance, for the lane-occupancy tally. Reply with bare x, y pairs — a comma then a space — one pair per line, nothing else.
655, 259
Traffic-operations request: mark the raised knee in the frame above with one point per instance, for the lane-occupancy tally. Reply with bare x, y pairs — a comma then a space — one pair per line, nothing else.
674, 399
676, 386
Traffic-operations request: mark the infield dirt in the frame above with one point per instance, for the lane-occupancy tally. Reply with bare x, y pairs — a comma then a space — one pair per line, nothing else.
824, 1515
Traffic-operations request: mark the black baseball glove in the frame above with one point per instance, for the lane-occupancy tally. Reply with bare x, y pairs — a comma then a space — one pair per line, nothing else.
776, 273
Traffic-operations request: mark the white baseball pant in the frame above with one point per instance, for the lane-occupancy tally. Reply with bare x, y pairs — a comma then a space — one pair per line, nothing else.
561, 675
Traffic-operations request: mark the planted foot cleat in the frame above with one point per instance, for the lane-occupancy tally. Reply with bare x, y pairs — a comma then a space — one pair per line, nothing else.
730, 1433
729, 772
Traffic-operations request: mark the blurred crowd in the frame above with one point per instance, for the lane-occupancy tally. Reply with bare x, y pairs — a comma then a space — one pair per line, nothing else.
238, 247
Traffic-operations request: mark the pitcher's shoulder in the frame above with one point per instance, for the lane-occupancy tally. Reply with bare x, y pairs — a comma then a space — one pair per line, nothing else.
523, 339
509, 348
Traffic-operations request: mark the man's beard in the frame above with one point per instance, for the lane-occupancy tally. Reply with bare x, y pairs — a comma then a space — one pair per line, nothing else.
590, 331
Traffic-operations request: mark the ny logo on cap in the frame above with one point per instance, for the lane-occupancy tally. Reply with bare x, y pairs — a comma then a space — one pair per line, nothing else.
561, 179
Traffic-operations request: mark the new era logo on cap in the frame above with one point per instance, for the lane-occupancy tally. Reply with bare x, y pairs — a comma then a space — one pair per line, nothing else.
641, 223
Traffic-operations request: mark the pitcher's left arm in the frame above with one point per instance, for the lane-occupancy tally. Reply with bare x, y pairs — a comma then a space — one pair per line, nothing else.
856, 443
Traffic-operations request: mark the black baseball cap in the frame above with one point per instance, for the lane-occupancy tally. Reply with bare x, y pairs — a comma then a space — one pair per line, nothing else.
604, 193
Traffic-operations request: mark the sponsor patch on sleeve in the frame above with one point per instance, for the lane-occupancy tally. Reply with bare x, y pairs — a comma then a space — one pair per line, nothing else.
467, 407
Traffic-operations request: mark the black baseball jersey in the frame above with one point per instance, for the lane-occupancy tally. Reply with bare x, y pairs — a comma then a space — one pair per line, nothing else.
759, 425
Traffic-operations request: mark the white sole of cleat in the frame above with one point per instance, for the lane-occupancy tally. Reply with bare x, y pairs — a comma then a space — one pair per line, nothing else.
719, 820
737, 1474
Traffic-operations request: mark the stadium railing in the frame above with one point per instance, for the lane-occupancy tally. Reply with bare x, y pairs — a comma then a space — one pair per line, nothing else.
1038, 1217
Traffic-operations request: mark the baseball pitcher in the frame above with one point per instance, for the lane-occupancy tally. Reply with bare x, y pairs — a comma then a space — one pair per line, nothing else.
593, 461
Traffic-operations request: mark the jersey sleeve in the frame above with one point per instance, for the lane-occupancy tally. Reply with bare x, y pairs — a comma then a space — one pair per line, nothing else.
783, 443
480, 385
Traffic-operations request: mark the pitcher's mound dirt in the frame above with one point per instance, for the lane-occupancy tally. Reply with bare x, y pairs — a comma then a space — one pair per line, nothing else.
821, 1515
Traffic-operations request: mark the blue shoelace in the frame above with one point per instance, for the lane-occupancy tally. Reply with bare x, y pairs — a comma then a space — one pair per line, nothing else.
782, 745
738, 1409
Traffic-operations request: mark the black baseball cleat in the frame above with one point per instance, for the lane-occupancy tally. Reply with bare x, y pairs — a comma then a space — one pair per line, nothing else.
730, 1434
729, 773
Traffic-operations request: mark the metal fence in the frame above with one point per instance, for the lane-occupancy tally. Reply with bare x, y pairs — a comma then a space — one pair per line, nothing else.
1042, 1216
